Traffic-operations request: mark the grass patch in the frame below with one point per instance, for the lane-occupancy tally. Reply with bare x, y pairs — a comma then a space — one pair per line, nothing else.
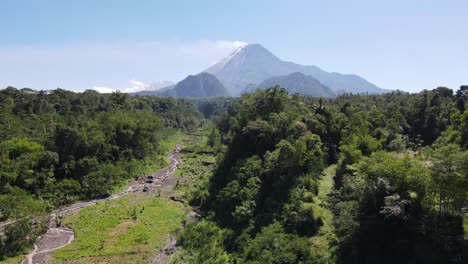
13, 260
152, 164
130, 227
326, 183
465, 226
325, 237
198, 163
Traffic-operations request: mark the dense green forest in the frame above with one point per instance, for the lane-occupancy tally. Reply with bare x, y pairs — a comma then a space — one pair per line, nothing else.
297, 179
57, 147
399, 163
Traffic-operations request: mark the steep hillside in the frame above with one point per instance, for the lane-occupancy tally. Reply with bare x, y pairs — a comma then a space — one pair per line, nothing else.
196, 86
298, 83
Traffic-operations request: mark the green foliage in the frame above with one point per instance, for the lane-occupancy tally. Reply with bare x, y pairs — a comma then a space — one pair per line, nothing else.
273, 245
133, 225
17, 204
19, 236
57, 147
16, 239
387, 203
212, 107
213, 137
268, 174
25, 164
377, 207
203, 243
464, 130
91, 141
450, 178
396, 192
198, 161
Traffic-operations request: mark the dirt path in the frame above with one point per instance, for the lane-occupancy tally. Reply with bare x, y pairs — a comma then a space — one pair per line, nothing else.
162, 254
53, 239
58, 237
144, 184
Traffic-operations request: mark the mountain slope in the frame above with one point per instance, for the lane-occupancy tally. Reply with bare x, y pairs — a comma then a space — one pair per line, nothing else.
200, 85
194, 86
157, 92
252, 64
158, 86
298, 83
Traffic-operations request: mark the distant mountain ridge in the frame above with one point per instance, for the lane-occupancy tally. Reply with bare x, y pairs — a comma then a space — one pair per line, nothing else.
251, 64
154, 92
158, 85
194, 86
298, 83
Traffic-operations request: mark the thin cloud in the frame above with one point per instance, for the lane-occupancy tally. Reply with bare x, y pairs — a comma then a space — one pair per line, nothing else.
135, 86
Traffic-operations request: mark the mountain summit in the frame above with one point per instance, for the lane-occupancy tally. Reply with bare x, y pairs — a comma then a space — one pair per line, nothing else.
251, 64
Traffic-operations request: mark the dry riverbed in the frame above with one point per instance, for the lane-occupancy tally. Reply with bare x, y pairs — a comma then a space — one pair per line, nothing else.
58, 237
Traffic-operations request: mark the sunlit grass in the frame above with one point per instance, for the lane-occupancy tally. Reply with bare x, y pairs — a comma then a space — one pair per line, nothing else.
198, 163
153, 164
132, 225
14, 260
465, 226
326, 183
325, 236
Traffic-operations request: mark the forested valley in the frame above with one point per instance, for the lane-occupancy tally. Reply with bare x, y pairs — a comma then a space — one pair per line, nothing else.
58, 147
353, 179
276, 177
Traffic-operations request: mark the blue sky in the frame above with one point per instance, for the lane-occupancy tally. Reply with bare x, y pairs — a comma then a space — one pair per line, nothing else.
77, 45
